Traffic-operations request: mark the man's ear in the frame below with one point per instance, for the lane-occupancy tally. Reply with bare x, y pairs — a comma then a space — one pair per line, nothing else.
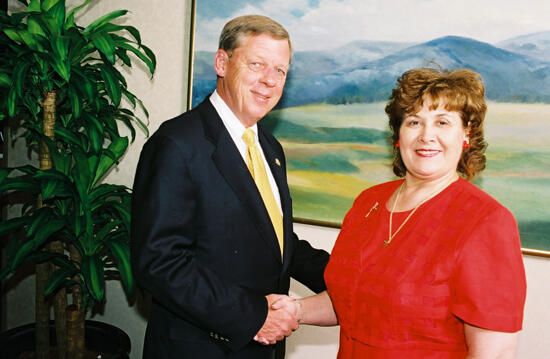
220, 62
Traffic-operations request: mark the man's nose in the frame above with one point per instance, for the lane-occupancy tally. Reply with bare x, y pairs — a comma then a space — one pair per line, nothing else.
270, 77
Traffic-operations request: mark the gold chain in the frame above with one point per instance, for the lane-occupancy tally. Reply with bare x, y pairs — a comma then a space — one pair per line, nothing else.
390, 235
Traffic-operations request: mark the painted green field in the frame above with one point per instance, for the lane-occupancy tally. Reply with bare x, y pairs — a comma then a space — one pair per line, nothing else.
335, 151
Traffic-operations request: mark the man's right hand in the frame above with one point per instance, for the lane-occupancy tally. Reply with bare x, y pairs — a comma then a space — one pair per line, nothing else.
279, 323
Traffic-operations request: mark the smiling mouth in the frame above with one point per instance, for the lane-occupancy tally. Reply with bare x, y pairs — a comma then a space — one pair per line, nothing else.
260, 96
427, 153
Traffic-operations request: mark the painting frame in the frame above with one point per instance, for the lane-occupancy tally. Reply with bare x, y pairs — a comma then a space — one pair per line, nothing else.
310, 221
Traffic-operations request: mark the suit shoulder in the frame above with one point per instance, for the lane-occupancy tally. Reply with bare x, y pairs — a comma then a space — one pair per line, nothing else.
270, 138
184, 125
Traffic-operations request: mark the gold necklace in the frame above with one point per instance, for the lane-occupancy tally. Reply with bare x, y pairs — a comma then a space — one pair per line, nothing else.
391, 236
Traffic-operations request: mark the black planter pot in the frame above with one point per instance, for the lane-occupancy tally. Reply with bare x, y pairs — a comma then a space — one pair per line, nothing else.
111, 341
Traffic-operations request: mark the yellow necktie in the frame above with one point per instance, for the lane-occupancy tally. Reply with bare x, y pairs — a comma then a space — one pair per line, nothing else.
256, 167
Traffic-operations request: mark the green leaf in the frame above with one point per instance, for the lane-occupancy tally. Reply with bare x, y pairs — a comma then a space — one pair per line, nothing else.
54, 184
127, 120
146, 60
5, 80
23, 36
68, 136
21, 254
61, 161
59, 278
56, 9
104, 190
121, 53
13, 35
34, 27
5, 272
12, 101
76, 9
47, 229
48, 4
94, 128
151, 55
92, 270
69, 22
75, 102
81, 174
83, 84
60, 46
10, 225
117, 148
23, 184
105, 45
19, 75
34, 5
4, 172
106, 229
121, 253
103, 20
111, 84
62, 67
134, 32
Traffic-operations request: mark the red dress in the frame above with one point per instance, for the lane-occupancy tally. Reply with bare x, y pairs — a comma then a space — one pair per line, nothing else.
457, 259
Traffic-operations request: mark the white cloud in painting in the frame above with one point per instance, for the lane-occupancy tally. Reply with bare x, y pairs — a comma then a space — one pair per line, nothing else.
331, 23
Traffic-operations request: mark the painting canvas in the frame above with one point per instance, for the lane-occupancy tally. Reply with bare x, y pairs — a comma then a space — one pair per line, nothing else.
347, 57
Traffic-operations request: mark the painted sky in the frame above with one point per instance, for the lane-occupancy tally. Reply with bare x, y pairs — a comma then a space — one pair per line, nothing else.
324, 24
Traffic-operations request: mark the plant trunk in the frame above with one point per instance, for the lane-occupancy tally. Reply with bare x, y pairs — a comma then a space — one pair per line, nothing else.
76, 315
60, 308
42, 313
75, 324
60, 298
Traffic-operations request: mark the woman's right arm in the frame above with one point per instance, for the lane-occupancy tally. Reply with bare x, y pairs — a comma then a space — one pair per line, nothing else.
313, 310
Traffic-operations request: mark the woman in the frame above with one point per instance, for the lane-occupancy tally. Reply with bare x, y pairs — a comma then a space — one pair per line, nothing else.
428, 266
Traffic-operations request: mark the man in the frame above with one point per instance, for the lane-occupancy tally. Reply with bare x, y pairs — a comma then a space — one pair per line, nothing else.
212, 215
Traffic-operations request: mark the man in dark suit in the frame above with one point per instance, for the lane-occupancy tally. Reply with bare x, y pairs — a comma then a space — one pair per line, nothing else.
212, 236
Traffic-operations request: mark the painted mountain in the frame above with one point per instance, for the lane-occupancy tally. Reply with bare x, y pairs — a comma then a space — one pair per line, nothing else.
517, 70
534, 45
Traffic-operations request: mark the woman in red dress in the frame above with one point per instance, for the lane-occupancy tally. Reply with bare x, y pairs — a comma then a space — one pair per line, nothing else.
427, 266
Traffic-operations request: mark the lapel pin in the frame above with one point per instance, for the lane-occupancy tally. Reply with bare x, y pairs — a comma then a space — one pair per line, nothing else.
373, 208
277, 162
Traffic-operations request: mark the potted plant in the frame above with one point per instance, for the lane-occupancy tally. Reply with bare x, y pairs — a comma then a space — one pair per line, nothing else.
60, 84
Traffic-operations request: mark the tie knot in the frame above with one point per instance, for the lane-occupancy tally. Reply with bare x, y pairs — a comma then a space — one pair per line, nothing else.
248, 137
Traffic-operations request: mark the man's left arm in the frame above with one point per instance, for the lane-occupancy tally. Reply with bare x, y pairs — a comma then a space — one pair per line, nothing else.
308, 264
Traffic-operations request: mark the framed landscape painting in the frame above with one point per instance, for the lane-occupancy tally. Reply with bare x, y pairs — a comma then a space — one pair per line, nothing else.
347, 57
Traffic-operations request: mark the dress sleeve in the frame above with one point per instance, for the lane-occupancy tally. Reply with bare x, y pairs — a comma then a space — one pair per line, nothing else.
489, 283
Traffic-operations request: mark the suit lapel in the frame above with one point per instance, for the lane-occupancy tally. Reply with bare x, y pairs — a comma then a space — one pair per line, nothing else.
232, 167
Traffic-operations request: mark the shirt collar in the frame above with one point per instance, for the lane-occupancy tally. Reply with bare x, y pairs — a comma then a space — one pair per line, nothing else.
230, 121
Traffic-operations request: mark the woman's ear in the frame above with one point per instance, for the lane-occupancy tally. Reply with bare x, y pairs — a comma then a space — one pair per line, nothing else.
467, 130
221, 58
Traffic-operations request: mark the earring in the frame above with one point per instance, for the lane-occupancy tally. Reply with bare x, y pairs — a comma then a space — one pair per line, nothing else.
397, 144
465, 144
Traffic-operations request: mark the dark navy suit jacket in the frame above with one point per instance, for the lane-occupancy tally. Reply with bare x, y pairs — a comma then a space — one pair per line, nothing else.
203, 244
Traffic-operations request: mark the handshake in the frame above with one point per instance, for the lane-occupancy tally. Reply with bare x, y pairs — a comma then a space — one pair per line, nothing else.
283, 317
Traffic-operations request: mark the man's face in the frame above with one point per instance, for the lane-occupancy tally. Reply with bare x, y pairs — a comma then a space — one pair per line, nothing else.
251, 80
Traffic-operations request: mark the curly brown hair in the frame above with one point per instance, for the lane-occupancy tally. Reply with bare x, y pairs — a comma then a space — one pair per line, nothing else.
458, 90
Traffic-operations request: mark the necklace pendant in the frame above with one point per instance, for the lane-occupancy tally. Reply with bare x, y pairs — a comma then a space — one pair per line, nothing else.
385, 244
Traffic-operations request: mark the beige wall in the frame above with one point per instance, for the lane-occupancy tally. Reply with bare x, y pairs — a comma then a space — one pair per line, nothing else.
164, 27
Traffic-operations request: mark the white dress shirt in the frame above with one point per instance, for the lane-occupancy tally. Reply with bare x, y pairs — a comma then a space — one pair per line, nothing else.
236, 130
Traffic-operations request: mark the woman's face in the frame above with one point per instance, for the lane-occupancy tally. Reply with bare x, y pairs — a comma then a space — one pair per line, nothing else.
431, 142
